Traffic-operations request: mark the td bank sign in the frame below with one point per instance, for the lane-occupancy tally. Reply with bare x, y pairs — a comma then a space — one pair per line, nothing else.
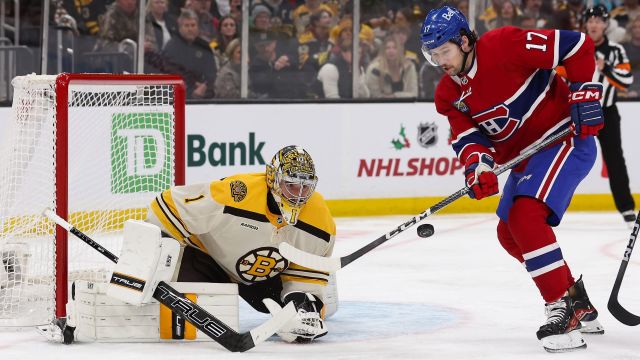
141, 153
201, 152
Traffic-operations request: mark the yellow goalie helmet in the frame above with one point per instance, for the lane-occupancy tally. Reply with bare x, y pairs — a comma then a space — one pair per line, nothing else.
291, 178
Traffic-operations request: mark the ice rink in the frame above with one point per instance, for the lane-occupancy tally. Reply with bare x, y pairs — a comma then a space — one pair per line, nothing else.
455, 295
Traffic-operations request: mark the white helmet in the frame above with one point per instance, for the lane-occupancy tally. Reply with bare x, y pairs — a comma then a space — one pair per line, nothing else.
291, 178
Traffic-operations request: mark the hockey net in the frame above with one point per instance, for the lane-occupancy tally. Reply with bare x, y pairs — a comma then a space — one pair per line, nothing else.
93, 148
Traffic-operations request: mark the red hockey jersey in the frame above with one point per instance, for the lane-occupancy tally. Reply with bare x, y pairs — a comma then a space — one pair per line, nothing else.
512, 97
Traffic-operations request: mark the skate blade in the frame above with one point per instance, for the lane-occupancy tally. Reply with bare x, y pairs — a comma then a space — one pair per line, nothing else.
592, 327
564, 342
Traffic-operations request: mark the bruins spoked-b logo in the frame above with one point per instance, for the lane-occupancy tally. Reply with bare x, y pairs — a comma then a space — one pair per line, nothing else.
427, 134
261, 264
238, 190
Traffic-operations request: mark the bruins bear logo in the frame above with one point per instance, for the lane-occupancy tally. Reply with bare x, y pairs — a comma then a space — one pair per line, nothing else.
238, 190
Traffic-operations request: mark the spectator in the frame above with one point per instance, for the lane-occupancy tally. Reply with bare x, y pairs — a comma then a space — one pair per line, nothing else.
271, 74
260, 18
534, 8
489, 13
404, 17
86, 14
507, 16
632, 47
189, 55
206, 21
390, 74
313, 47
160, 24
368, 45
614, 74
227, 84
118, 23
227, 32
527, 22
401, 34
302, 14
235, 10
280, 9
336, 74
429, 77
568, 15
625, 14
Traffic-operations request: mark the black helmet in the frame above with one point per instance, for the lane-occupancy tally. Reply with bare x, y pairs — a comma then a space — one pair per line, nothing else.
597, 11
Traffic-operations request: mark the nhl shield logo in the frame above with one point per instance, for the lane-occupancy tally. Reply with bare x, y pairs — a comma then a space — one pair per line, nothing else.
427, 134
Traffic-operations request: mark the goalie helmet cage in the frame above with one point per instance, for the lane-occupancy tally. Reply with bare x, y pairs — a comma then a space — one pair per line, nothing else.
96, 149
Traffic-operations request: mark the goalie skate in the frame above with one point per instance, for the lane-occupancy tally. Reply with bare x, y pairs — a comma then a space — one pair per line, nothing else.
561, 333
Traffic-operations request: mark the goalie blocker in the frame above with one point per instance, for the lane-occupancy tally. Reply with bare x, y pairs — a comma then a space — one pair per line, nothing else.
146, 259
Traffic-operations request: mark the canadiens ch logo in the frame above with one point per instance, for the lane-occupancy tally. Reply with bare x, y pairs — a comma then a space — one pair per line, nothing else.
496, 123
427, 134
261, 264
238, 190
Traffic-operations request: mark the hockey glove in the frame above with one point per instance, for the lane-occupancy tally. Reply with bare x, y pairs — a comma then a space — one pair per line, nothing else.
586, 111
479, 175
308, 324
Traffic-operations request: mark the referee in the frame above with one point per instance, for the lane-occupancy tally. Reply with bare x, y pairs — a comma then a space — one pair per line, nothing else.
614, 72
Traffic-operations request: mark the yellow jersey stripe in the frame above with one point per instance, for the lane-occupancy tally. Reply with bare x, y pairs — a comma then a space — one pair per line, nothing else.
168, 225
303, 279
167, 198
293, 266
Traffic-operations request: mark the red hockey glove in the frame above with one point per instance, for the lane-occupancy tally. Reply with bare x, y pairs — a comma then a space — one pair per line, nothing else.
586, 111
479, 177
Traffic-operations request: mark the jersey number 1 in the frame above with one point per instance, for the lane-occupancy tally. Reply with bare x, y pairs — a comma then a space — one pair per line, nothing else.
530, 46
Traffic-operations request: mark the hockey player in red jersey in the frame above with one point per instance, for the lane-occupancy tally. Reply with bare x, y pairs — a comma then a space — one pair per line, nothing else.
500, 95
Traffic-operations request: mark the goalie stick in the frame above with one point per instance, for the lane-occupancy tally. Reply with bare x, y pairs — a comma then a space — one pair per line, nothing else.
192, 312
614, 306
332, 264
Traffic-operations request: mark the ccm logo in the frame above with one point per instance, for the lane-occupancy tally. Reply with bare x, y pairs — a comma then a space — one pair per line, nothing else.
584, 95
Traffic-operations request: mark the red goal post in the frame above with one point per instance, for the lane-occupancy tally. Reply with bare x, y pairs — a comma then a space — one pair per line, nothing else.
96, 148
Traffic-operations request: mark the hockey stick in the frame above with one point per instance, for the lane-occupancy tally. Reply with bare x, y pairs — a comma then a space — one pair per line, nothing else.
332, 264
614, 306
192, 312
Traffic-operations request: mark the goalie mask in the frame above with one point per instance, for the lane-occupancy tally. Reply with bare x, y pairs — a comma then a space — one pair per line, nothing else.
291, 178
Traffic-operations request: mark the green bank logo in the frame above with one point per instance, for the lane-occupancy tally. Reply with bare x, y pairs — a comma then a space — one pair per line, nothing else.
141, 155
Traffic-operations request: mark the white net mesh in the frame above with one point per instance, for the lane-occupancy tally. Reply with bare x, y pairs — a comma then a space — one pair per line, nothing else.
120, 154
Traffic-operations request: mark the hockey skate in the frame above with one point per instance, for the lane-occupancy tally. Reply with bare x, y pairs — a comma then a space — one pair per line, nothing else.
585, 311
629, 218
560, 333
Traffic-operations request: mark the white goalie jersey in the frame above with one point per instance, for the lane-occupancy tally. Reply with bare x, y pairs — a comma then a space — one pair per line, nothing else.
236, 222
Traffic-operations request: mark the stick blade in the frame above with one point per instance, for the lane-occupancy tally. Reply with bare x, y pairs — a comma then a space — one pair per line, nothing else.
622, 314
311, 261
270, 327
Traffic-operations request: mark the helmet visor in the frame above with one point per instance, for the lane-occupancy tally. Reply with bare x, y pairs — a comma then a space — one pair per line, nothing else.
443, 54
296, 191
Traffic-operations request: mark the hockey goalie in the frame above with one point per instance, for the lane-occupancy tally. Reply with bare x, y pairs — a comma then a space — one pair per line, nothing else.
227, 234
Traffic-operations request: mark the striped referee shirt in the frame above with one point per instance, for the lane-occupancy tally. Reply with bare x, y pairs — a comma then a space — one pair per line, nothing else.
616, 73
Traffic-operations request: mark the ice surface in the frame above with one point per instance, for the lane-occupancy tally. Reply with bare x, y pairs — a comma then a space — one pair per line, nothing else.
455, 295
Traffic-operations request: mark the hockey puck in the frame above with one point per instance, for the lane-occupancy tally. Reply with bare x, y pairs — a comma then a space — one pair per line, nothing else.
425, 230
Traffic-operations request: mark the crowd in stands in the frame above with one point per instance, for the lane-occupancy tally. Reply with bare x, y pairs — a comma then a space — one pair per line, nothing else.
303, 49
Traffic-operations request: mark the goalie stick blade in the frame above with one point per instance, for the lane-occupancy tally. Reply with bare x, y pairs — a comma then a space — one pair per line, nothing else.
268, 328
306, 259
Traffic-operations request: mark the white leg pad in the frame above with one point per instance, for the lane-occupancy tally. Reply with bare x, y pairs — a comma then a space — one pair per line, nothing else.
104, 319
330, 296
145, 260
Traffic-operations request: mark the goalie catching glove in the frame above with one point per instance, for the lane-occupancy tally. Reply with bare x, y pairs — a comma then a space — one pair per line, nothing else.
586, 111
308, 324
479, 176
